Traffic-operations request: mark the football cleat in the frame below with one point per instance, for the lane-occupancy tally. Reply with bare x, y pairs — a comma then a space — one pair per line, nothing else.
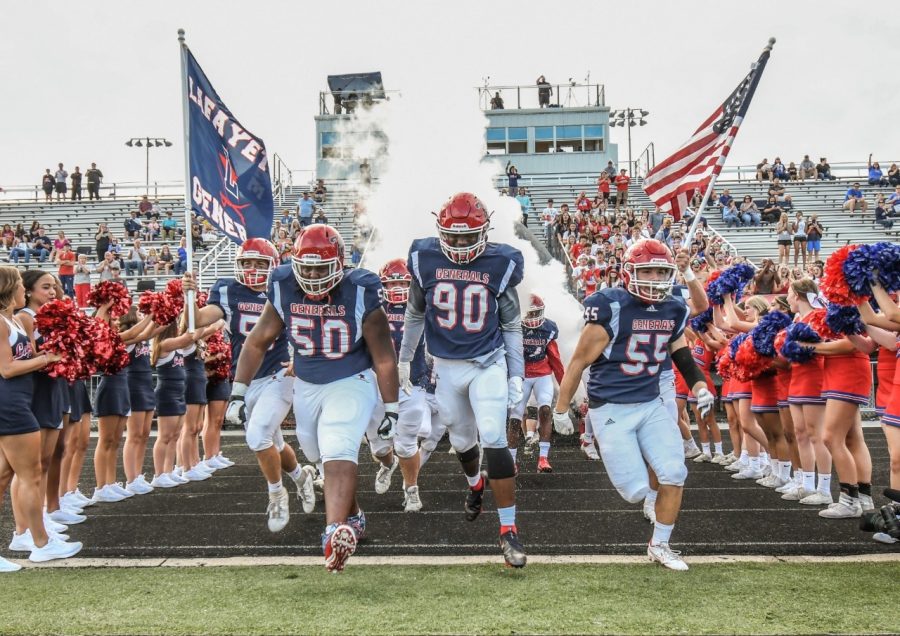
512, 548
691, 449
544, 465
844, 508
648, 508
589, 450
666, 557
278, 510
702, 458
306, 492
358, 523
339, 545
817, 498
475, 498
383, 476
411, 500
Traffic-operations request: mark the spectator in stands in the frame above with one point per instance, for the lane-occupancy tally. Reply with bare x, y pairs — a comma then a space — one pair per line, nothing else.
106, 266
76, 183
145, 206
133, 225
793, 173
305, 208
881, 213
763, 171
512, 174
798, 228
724, 199
169, 227
548, 216
496, 101
7, 236
41, 245
730, 215
749, 212
779, 171
33, 230
181, 257
823, 170
894, 175
320, 217
152, 261
772, 212
116, 249
613, 279
655, 221
544, 92
47, 184
893, 202
152, 230
814, 233
61, 241
155, 211
876, 176
582, 203
783, 237
603, 185
102, 240
283, 220
60, 179
94, 178
294, 230
20, 231
524, 200
664, 231
807, 169
696, 199
166, 259
65, 260
854, 200
135, 259
21, 248
320, 192
622, 182
82, 280
776, 189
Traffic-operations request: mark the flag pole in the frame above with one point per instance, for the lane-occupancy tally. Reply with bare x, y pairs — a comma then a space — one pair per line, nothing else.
187, 176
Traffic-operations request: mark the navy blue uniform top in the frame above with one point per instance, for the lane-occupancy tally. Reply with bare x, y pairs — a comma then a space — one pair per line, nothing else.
537, 340
462, 320
682, 292
242, 308
627, 372
396, 313
139, 358
20, 344
171, 366
327, 334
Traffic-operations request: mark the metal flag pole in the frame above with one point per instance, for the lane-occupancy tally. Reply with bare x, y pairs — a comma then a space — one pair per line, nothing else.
696, 222
189, 249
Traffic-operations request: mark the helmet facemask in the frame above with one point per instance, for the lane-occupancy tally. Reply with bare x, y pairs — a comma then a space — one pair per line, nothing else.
534, 318
317, 288
463, 254
396, 292
651, 291
250, 276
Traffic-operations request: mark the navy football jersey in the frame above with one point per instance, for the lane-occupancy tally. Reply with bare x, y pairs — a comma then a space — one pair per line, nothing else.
242, 308
461, 317
627, 372
327, 334
683, 293
536, 341
396, 313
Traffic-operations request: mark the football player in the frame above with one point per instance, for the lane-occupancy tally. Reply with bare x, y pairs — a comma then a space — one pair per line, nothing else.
342, 349
542, 363
463, 296
628, 334
267, 394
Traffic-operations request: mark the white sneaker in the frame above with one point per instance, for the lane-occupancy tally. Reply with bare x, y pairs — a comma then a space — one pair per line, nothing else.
719, 459
729, 458
195, 474
106, 495
736, 467
866, 503
205, 467
79, 498
306, 492
667, 557
383, 477
215, 463
120, 489
880, 537
691, 449
789, 484
69, 506
844, 508
319, 482
818, 498
279, 510
67, 518
748, 473
55, 549
649, 510
411, 500
779, 482
163, 481
796, 493
25, 543
224, 460
702, 458
178, 479
139, 486
8, 566
766, 481
53, 526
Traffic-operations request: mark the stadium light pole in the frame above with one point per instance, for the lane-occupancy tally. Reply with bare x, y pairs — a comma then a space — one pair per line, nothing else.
629, 117
147, 142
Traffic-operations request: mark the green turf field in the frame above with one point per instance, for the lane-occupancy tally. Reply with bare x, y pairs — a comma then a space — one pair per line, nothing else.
546, 599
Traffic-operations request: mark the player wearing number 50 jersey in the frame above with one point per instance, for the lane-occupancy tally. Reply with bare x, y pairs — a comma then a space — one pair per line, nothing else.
267, 398
339, 333
627, 336
463, 296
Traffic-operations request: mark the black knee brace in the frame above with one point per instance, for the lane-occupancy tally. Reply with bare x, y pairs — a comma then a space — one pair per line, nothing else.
468, 456
500, 463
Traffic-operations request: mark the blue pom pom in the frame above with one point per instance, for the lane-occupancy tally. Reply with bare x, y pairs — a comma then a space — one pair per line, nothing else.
888, 264
797, 333
859, 268
714, 293
844, 320
735, 343
764, 333
701, 323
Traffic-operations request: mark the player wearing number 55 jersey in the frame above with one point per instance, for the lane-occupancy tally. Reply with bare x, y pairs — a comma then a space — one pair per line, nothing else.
267, 398
627, 335
463, 296
339, 333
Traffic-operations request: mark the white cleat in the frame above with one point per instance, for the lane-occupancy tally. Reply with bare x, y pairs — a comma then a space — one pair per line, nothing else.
163, 481
649, 510
383, 477
818, 498
843, 508
411, 500
748, 473
67, 518
691, 449
8, 566
215, 463
667, 557
588, 449
766, 481
728, 459
55, 549
796, 493
306, 491
278, 510
702, 458
789, 484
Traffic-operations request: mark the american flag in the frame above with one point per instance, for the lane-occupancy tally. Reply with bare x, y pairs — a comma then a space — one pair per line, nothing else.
672, 182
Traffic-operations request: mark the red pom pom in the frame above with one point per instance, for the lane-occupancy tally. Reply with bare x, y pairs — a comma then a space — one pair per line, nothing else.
161, 306
109, 353
110, 291
748, 364
67, 332
816, 320
834, 286
724, 364
780, 337
174, 287
218, 357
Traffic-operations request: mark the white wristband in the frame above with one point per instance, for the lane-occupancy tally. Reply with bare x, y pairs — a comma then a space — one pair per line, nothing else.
238, 389
391, 407
689, 275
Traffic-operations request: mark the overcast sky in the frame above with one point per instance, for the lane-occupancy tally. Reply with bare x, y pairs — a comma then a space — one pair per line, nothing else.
77, 80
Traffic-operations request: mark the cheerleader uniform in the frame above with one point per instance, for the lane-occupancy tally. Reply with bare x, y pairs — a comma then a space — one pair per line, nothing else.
891, 415
886, 367
807, 379
195, 376
140, 378
764, 392
79, 399
848, 378
218, 390
170, 380
726, 391
739, 390
47, 402
783, 382
703, 358
112, 396
681, 387
16, 417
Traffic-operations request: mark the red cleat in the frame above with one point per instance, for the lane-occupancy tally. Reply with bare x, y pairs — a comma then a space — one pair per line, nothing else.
339, 546
544, 465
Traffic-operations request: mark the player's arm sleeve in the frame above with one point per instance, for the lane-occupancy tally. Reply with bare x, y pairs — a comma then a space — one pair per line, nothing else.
414, 322
511, 330
599, 311
555, 361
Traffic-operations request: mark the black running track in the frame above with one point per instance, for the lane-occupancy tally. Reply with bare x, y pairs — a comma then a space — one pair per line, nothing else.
575, 510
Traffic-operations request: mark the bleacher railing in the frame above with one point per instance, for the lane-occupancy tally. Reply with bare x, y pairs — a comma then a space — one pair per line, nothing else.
112, 190
212, 265
568, 95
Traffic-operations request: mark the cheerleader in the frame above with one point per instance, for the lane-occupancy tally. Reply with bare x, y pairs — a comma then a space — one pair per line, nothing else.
783, 382
166, 355
113, 406
218, 391
20, 436
707, 429
716, 341
78, 433
142, 401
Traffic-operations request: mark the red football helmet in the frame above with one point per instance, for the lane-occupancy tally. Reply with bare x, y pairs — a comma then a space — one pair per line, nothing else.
463, 224
254, 249
534, 318
319, 247
395, 278
648, 254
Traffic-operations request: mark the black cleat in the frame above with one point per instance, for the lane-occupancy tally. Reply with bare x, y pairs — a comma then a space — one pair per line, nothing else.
475, 498
513, 550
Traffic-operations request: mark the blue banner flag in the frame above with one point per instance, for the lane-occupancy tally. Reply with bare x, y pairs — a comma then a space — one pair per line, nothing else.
229, 170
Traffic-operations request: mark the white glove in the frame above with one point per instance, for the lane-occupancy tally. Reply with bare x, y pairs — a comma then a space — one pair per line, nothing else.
388, 427
403, 372
515, 392
562, 423
236, 413
705, 401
